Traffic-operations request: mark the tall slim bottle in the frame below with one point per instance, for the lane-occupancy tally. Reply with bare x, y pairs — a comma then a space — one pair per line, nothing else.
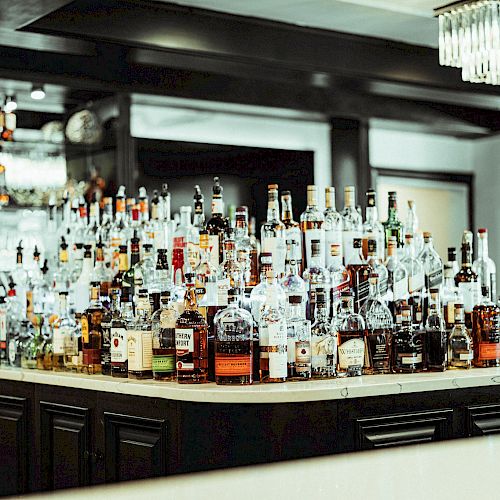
486, 331
351, 223
312, 223
393, 225
216, 225
292, 228
91, 326
333, 226
436, 336
372, 228
483, 266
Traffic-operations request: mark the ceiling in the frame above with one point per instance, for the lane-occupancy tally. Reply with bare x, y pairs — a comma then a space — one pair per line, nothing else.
409, 21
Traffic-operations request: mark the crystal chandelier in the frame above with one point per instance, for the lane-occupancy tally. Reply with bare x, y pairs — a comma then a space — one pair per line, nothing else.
469, 38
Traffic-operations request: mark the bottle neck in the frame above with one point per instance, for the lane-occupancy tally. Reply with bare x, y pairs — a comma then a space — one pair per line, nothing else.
371, 214
286, 209
466, 256
241, 228
321, 312
63, 306
185, 219
482, 247
374, 289
190, 299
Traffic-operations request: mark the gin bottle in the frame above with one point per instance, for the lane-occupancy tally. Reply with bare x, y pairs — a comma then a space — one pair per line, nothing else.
372, 228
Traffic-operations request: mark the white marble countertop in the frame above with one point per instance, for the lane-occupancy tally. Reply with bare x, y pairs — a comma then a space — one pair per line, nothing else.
426, 471
290, 392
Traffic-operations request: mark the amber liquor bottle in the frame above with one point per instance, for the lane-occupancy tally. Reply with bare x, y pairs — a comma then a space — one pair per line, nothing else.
408, 346
91, 324
486, 331
191, 340
216, 225
359, 272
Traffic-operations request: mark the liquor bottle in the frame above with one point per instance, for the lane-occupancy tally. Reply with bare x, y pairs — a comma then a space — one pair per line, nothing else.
191, 340
333, 226
16, 331
140, 340
397, 279
359, 272
162, 281
436, 336
182, 232
352, 224
135, 225
91, 320
229, 273
20, 277
312, 223
486, 331
298, 340
155, 229
45, 353
81, 224
292, 228
193, 236
323, 340
452, 260
467, 280
92, 229
379, 330
104, 231
118, 282
408, 345
62, 275
411, 226
122, 319
163, 326
169, 224
106, 342
3, 332
118, 230
233, 343
450, 295
393, 226
372, 228
216, 225
76, 262
315, 276
254, 253
80, 289
272, 334
144, 204
460, 345
351, 340
32, 348
339, 277
483, 266
416, 281
294, 286
102, 273
377, 266
244, 247
273, 233
129, 279
432, 263
63, 335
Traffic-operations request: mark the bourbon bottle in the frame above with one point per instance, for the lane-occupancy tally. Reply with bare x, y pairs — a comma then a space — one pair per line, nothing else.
486, 331
92, 331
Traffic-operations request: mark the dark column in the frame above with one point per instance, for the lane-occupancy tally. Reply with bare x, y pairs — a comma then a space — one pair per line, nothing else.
350, 161
125, 146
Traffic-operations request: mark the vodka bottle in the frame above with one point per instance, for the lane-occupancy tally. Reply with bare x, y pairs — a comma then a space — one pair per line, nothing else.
351, 223
312, 223
372, 228
483, 266
333, 226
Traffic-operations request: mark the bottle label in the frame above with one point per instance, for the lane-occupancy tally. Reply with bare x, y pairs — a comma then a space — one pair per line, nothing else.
470, 294
410, 359
348, 244
276, 247
139, 350
450, 312
179, 242
217, 206
70, 343
322, 353
315, 234
184, 341
213, 245
400, 289
58, 340
332, 236
118, 345
12, 351
91, 357
489, 351
302, 356
434, 279
85, 329
351, 354
3, 328
337, 290
163, 363
193, 254
291, 341
277, 349
416, 282
223, 291
465, 356
233, 366
293, 234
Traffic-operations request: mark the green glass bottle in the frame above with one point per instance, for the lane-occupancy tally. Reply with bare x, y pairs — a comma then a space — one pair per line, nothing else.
393, 226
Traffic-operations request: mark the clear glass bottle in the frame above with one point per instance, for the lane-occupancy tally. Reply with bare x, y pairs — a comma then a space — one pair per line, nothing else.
452, 260
312, 223
450, 295
15, 327
315, 276
118, 234
333, 226
163, 326
431, 262
359, 272
397, 280
467, 280
372, 228
460, 345
20, 277
273, 233
122, 319
255, 253
436, 336
140, 340
90, 235
144, 271
393, 225
377, 266
104, 231
298, 340
351, 340
352, 224
339, 277
63, 337
292, 229
216, 225
486, 331
323, 340
233, 343
101, 272
182, 232
408, 345
244, 246
483, 266
272, 334
193, 235
191, 340
411, 226
90, 321
80, 288
416, 280
294, 286
379, 330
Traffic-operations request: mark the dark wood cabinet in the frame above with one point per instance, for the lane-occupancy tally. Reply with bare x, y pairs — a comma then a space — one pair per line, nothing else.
409, 428
13, 445
65, 437
135, 447
483, 420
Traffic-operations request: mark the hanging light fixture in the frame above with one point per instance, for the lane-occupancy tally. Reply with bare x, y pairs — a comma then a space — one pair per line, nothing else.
469, 38
10, 104
37, 92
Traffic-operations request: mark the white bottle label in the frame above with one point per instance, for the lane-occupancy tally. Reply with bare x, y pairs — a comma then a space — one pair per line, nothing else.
331, 237
411, 360
223, 291
213, 245
351, 354
470, 293
348, 244
278, 356
58, 340
184, 341
416, 282
118, 347
400, 289
291, 341
139, 350
315, 234
322, 347
276, 247
3, 325
466, 356
12, 351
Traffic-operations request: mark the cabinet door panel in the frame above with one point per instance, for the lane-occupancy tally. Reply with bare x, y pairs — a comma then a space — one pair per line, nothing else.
135, 447
13, 445
65, 444
483, 420
410, 428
